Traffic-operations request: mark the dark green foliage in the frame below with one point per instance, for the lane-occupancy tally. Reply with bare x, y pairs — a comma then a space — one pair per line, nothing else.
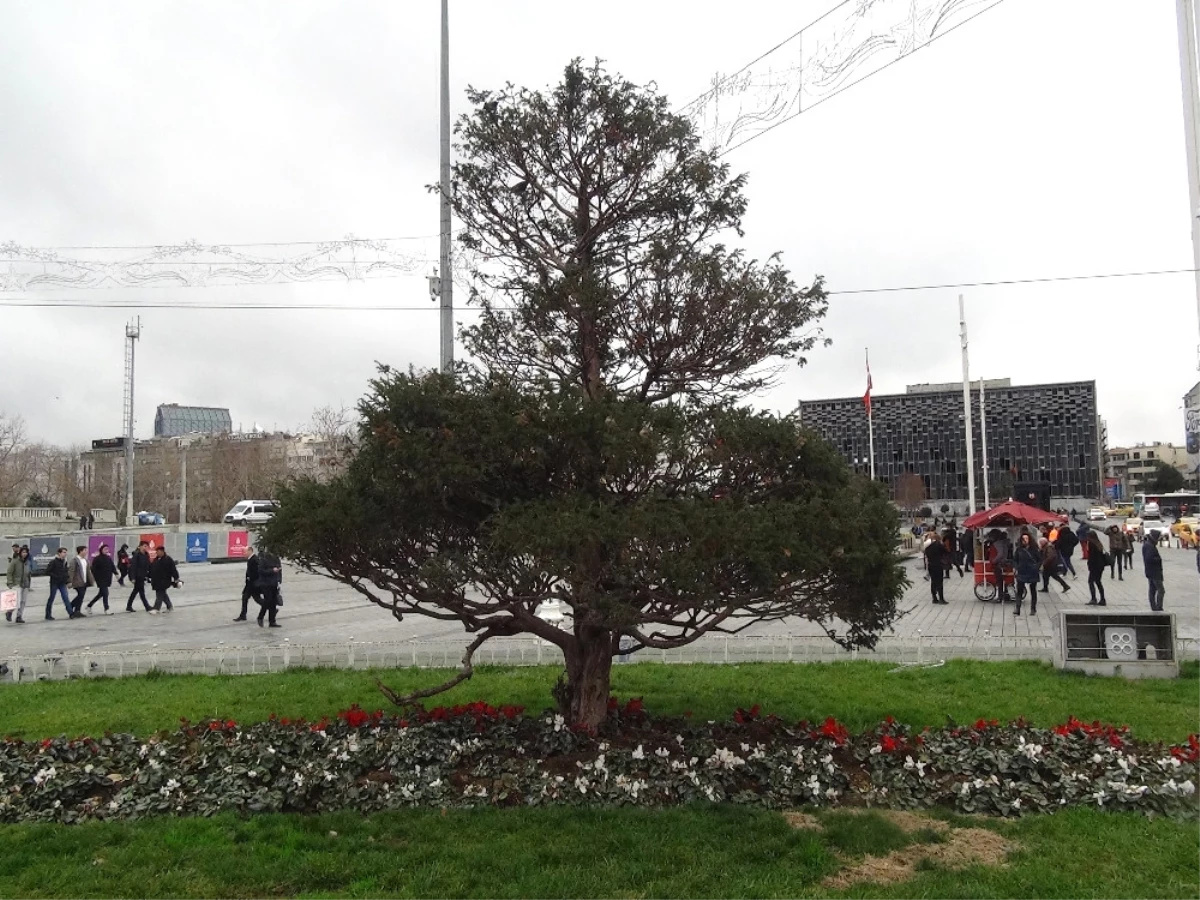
1166, 478
596, 456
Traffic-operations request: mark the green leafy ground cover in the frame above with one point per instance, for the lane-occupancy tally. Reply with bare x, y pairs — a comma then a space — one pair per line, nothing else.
859, 694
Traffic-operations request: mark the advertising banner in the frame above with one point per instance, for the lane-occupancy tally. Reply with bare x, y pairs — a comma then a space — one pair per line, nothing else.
197, 546
94, 542
1192, 434
154, 540
41, 551
1112, 487
238, 541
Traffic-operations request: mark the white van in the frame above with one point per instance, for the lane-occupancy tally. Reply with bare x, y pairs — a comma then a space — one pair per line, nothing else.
251, 512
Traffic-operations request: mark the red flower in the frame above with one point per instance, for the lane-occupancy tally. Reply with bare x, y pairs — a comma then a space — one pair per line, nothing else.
230, 724
888, 743
355, 716
834, 730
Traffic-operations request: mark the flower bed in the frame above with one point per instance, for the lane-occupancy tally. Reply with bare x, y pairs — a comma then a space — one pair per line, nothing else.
481, 755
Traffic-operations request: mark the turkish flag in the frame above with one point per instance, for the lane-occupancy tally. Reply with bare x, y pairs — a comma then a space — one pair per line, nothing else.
867, 395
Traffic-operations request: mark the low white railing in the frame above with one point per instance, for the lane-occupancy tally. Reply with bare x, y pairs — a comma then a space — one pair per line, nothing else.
246, 660
39, 514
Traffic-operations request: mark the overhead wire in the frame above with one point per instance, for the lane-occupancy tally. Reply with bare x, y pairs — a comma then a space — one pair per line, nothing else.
67, 303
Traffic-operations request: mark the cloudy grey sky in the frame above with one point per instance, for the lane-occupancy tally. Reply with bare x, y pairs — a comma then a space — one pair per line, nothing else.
1045, 138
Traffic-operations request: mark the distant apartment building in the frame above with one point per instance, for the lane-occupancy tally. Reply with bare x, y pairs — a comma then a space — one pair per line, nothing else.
1133, 467
1036, 432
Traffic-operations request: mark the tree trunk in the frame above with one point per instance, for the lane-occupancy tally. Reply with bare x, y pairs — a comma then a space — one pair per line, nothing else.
584, 701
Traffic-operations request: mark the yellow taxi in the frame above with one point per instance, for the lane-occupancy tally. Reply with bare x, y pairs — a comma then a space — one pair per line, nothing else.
1187, 531
1123, 510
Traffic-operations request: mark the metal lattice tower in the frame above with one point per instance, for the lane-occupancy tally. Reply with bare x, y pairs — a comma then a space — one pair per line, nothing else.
133, 331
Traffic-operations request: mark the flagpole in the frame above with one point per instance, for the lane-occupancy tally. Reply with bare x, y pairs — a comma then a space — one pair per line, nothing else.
962, 323
870, 418
987, 502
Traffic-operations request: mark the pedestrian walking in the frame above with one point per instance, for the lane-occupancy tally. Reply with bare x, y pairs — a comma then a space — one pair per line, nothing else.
1050, 565
56, 569
935, 564
123, 564
103, 570
81, 579
139, 571
83, 523
250, 589
1116, 552
1128, 550
1028, 564
20, 577
163, 575
1065, 543
1152, 565
16, 552
1097, 562
966, 544
1000, 566
953, 556
270, 576
91, 521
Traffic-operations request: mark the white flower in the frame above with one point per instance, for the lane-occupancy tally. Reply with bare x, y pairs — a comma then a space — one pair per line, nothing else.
44, 775
662, 752
966, 789
679, 739
1097, 758
352, 747
155, 764
1016, 804
979, 783
87, 770
710, 793
162, 754
271, 750
298, 780
909, 764
745, 748
725, 758
920, 770
143, 750
172, 784
582, 784
252, 774
876, 749
832, 793
328, 777
1124, 764
1187, 788
559, 722
638, 753
436, 783
798, 755
57, 804
113, 804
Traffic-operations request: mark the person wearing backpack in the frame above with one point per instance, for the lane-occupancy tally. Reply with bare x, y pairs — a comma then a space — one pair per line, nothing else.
1065, 544
122, 564
1050, 565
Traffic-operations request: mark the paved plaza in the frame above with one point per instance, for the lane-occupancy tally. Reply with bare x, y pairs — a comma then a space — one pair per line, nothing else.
319, 611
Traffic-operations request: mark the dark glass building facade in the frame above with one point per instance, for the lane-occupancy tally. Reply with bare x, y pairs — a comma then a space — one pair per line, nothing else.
1037, 432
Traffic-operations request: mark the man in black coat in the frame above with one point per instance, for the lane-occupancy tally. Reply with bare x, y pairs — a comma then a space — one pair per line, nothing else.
250, 589
103, 570
1065, 543
59, 579
163, 575
139, 571
270, 575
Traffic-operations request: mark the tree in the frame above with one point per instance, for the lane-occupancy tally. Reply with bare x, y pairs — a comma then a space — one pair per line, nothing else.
910, 491
1165, 479
597, 455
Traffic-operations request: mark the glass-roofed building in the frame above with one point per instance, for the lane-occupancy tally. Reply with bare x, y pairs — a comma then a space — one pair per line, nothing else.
173, 420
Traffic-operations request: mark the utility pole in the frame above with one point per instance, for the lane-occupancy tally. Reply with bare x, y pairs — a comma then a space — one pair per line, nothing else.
962, 326
133, 331
446, 285
987, 500
1186, 17
183, 484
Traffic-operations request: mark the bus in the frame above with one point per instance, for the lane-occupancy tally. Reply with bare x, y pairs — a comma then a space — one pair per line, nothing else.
1175, 504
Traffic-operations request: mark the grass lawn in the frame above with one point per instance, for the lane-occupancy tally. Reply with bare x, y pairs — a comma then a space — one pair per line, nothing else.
696, 851
858, 693
705, 851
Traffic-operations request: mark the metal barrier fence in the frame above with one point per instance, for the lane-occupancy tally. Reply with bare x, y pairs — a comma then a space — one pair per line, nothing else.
246, 660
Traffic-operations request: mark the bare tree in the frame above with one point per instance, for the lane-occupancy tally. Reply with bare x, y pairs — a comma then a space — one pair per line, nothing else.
910, 491
15, 460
